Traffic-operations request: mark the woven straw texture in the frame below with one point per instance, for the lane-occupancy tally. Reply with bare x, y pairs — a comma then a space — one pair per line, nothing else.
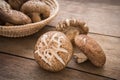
28, 29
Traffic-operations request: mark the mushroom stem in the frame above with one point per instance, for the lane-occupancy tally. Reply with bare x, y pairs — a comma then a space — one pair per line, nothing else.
72, 27
80, 57
35, 17
72, 33
36, 6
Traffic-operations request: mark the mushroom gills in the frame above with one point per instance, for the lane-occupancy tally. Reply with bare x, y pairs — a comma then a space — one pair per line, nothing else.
72, 27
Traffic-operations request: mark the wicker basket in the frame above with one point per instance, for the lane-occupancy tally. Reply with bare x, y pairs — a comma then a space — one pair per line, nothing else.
28, 29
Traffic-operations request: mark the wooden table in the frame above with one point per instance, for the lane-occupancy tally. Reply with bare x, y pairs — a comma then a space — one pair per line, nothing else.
102, 17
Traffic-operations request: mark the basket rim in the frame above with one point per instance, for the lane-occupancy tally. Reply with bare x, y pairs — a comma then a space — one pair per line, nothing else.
40, 22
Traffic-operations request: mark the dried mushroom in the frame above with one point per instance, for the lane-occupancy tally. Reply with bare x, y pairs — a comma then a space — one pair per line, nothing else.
36, 9
4, 5
91, 49
14, 17
16, 4
53, 51
72, 27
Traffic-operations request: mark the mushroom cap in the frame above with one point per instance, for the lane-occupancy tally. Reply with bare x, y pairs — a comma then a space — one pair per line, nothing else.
4, 5
14, 17
91, 49
53, 51
72, 27
36, 6
16, 4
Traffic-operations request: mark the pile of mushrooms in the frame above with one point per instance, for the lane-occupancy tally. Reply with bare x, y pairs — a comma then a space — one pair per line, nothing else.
77, 31
20, 12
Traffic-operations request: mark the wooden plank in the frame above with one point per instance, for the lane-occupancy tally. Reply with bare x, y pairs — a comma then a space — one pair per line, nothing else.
16, 68
102, 16
25, 46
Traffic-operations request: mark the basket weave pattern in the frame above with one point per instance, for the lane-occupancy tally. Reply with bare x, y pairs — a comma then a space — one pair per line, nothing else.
28, 29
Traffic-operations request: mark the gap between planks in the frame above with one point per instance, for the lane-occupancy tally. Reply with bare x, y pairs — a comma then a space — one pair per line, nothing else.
66, 67
102, 16
96, 33
24, 47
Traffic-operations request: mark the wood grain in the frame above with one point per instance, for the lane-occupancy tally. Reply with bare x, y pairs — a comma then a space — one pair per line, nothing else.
102, 16
25, 46
16, 68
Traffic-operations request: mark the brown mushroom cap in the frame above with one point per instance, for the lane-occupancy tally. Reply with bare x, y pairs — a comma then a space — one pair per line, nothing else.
4, 5
16, 4
72, 27
91, 49
14, 17
36, 6
53, 51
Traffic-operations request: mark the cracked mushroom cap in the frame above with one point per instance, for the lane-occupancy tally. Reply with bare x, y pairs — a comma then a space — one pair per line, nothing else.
91, 49
72, 27
36, 6
53, 51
